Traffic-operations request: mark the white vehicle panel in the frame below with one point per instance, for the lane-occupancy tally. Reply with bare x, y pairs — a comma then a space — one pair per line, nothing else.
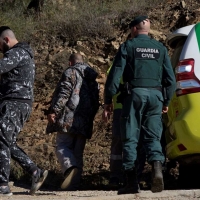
184, 30
191, 50
181, 32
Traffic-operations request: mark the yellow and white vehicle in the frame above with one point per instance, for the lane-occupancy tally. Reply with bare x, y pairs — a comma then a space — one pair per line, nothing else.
183, 126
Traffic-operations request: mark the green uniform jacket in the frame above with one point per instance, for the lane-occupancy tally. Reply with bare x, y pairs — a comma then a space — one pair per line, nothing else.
115, 104
143, 62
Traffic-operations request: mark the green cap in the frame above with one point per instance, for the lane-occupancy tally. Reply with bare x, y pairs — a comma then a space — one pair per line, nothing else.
137, 20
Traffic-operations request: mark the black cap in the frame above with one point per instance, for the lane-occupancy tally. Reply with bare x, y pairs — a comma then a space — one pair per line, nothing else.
3, 28
137, 20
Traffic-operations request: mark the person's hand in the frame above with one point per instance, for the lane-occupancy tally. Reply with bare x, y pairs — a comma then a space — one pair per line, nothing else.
51, 118
165, 109
108, 109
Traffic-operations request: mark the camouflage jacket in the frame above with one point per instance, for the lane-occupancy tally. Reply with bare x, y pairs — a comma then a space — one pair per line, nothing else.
68, 95
17, 70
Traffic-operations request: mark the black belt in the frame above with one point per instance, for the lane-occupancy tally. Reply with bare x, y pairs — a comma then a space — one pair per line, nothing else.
156, 88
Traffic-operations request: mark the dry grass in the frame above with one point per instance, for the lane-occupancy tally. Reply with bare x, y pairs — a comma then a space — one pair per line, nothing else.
72, 20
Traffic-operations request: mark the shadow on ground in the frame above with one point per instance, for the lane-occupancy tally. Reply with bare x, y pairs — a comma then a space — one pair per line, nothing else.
189, 179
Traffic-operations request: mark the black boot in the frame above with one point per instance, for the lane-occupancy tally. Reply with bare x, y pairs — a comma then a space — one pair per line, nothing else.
132, 185
157, 184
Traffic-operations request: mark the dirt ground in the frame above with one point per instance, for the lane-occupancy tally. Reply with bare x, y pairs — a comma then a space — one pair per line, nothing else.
20, 192
50, 64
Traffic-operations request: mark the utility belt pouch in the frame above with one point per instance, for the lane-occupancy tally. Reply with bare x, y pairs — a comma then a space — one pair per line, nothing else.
164, 93
125, 90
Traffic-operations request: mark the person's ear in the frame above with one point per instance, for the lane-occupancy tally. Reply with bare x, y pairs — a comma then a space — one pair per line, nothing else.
6, 39
136, 28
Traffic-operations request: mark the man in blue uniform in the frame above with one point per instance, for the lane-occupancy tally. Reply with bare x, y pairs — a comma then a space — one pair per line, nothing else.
17, 70
146, 69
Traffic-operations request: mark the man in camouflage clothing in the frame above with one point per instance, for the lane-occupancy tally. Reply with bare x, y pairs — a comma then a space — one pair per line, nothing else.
69, 117
17, 70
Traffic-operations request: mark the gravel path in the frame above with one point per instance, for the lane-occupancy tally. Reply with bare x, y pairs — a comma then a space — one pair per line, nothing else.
21, 193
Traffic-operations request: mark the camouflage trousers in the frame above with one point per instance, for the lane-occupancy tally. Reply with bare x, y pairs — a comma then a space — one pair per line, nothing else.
13, 115
69, 151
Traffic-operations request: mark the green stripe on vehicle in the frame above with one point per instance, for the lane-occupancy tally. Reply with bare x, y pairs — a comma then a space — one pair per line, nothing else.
197, 30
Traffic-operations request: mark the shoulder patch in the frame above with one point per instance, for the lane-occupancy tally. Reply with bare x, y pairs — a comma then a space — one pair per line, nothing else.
147, 53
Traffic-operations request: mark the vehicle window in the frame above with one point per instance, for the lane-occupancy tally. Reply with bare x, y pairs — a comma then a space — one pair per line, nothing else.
177, 52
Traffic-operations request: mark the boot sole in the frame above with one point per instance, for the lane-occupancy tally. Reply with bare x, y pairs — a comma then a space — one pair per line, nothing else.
68, 179
129, 191
6, 195
157, 185
39, 184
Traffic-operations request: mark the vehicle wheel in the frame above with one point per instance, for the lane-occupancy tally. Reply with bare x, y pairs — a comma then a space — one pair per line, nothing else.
189, 176
170, 164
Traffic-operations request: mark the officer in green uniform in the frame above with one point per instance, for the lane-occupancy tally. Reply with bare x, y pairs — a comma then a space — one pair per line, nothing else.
146, 69
116, 144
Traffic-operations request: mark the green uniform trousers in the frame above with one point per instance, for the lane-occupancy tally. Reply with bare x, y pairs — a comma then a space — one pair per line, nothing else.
142, 117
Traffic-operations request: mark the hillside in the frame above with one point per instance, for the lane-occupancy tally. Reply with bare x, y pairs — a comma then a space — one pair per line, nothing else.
51, 55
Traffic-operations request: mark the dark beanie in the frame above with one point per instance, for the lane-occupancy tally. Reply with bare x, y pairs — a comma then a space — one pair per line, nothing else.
137, 20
